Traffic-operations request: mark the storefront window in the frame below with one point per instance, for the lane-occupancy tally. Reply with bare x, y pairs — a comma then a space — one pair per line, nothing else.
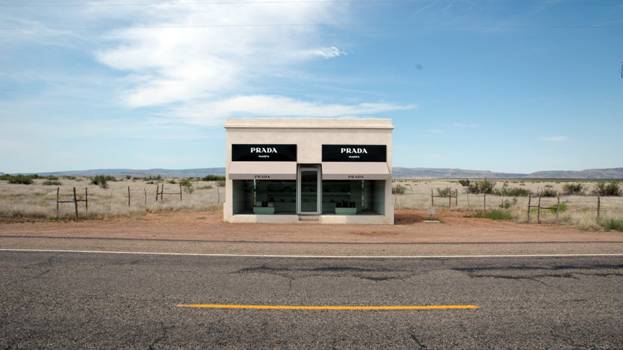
340, 197
353, 197
264, 197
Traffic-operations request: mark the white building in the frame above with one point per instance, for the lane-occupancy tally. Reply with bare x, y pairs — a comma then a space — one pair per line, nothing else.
309, 170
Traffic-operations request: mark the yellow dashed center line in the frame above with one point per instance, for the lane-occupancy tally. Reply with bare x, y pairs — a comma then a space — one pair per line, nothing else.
331, 307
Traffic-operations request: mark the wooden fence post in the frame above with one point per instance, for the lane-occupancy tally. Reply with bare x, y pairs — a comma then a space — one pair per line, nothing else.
529, 207
180, 191
129, 201
162, 192
598, 206
432, 198
557, 207
86, 201
538, 212
456, 198
484, 202
58, 189
157, 188
145, 190
76, 203
449, 198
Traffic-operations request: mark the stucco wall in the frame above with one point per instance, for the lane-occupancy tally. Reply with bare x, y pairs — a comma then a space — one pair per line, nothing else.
309, 136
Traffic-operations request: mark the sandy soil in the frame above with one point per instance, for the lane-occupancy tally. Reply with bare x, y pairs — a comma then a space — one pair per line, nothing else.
208, 226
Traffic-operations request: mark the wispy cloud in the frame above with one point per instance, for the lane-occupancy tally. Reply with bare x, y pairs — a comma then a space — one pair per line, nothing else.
326, 52
20, 30
213, 112
195, 50
197, 59
554, 138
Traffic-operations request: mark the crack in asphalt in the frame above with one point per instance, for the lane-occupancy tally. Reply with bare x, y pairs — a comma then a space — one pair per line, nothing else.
41, 274
419, 343
268, 269
163, 334
47, 262
566, 271
336, 271
549, 268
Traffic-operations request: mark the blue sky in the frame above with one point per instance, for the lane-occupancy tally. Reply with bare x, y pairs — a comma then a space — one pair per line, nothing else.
500, 85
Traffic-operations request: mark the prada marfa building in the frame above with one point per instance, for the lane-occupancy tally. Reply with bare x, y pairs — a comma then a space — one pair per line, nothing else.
301, 170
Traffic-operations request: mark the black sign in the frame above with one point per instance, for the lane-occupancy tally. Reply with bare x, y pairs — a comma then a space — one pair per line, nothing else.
354, 153
259, 153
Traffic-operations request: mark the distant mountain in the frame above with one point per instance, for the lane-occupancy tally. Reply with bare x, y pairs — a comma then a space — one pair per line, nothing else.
449, 173
398, 172
611, 173
199, 172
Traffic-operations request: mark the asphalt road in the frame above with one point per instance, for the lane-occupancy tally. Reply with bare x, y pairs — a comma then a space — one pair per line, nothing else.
76, 300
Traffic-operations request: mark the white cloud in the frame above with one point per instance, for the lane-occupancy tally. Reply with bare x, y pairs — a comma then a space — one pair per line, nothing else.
214, 112
197, 58
18, 30
187, 50
326, 52
554, 138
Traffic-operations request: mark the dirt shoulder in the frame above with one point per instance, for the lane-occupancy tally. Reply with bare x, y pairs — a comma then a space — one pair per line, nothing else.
208, 226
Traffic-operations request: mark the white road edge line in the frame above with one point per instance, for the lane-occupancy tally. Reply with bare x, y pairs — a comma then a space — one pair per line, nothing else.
17, 250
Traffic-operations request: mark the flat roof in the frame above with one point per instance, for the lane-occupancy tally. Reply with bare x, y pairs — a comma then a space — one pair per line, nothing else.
318, 123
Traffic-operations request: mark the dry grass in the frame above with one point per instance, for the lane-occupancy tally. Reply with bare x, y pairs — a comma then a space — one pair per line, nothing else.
38, 201
581, 210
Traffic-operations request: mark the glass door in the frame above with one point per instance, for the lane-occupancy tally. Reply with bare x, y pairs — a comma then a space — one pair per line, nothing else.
308, 190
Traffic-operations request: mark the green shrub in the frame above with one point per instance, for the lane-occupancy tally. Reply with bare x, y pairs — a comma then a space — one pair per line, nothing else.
561, 208
399, 189
572, 188
612, 224
464, 182
187, 185
608, 189
213, 178
444, 192
102, 180
19, 179
482, 186
506, 204
513, 192
548, 192
153, 178
172, 181
51, 183
496, 214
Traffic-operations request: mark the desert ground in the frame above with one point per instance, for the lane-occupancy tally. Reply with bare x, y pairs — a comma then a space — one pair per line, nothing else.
579, 209
141, 275
37, 201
